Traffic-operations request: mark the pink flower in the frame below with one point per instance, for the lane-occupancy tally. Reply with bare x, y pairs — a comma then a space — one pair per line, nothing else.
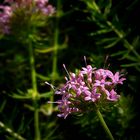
87, 87
88, 71
116, 79
8, 1
113, 96
44, 7
40, 7
102, 74
5, 15
92, 96
65, 107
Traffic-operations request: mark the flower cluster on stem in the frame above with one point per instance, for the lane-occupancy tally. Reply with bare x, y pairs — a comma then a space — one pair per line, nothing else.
88, 86
5, 14
8, 8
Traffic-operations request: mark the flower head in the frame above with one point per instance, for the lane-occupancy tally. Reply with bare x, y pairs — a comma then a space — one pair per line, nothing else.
10, 11
88, 86
5, 14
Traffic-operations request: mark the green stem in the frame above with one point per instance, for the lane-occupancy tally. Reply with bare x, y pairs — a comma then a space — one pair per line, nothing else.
56, 42
35, 92
56, 45
118, 33
33, 73
110, 136
36, 124
11, 132
121, 36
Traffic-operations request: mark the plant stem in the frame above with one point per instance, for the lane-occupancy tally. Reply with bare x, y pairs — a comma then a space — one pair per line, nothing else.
118, 33
121, 36
34, 93
33, 73
103, 123
36, 124
11, 132
56, 45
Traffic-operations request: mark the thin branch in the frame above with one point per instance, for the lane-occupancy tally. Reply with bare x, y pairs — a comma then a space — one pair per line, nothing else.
11, 132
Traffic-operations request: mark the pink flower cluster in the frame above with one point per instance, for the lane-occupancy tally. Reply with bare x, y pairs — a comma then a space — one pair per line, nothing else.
5, 14
44, 7
10, 6
89, 85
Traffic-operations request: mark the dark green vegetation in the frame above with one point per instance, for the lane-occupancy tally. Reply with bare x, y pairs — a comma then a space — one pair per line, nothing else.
95, 29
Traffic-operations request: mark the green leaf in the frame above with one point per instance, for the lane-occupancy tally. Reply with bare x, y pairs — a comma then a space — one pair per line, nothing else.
107, 8
22, 95
132, 58
42, 77
106, 40
51, 49
130, 65
119, 53
102, 31
112, 44
46, 95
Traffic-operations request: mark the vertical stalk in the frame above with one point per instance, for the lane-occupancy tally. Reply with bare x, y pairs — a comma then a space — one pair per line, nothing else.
35, 92
56, 45
11, 132
118, 33
36, 124
121, 36
103, 123
33, 73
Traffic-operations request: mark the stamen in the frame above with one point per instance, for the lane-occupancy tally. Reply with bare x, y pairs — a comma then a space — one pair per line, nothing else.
66, 78
66, 70
53, 87
49, 102
105, 62
85, 59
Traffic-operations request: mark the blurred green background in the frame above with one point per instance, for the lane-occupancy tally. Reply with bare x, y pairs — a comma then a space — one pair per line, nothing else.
106, 32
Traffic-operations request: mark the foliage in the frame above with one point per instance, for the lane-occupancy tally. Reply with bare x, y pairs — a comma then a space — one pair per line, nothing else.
105, 31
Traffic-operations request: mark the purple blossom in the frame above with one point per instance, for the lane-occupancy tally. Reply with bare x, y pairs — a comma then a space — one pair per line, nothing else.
44, 7
88, 71
116, 79
40, 7
64, 106
113, 96
5, 15
8, 1
92, 96
102, 74
89, 85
